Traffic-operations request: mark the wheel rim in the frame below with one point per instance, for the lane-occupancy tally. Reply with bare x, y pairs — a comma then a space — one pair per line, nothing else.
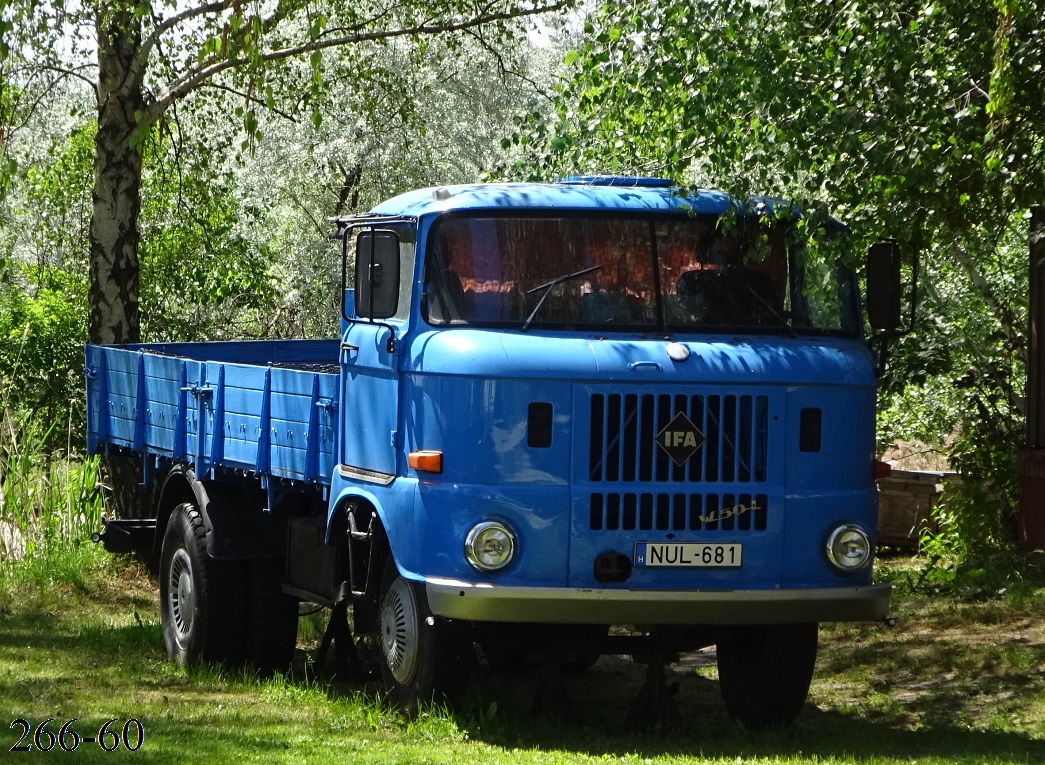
181, 596
399, 635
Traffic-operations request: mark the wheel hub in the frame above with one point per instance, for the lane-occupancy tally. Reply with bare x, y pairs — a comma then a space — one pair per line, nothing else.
399, 631
181, 597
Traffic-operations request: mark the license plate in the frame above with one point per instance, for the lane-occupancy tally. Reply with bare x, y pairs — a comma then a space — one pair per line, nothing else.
687, 555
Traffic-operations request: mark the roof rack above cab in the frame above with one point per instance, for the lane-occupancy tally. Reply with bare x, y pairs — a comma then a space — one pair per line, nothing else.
617, 180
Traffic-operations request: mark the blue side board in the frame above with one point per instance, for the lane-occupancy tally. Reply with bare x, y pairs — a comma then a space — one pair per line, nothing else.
269, 407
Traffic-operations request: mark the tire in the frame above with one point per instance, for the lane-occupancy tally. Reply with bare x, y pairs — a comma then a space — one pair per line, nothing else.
585, 657
764, 672
423, 658
201, 599
272, 619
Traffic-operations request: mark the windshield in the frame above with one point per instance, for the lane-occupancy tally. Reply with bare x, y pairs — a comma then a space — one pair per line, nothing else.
695, 274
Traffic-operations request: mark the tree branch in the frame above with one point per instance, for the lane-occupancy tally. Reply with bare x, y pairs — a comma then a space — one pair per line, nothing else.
59, 70
249, 97
168, 24
354, 29
506, 71
35, 72
1000, 310
195, 77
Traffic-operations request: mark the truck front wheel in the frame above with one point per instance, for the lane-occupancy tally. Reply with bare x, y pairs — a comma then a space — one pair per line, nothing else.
201, 599
764, 672
423, 657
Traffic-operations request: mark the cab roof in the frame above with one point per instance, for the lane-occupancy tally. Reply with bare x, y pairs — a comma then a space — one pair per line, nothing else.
590, 193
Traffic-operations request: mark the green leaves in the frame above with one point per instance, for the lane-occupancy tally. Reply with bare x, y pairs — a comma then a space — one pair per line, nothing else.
924, 122
317, 24
830, 99
202, 275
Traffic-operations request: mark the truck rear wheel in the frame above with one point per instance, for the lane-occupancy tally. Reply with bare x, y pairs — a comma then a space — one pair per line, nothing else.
422, 657
764, 672
201, 599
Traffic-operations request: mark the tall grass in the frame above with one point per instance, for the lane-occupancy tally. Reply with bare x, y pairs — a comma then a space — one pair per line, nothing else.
49, 500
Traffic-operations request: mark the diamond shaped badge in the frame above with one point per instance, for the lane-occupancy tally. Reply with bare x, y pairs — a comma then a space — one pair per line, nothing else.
680, 438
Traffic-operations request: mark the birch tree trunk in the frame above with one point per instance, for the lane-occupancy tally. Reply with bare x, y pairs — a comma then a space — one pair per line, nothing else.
113, 313
113, 293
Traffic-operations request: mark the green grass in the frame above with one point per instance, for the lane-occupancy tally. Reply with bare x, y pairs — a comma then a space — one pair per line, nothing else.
953, 682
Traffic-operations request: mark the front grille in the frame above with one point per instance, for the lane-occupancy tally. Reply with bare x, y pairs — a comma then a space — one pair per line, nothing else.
677, 512
624, 427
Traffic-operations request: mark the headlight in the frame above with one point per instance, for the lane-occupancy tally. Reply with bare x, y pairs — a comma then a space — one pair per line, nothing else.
489, 546
849, 548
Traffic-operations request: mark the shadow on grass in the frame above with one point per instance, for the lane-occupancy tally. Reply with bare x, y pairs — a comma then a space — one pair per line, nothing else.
91, 643
123, 666
497, 711
499, 715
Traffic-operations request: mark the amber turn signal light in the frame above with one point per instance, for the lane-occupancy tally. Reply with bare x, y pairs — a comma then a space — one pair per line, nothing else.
426, 461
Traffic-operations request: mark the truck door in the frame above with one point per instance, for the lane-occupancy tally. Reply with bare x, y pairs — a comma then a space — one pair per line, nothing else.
370, 340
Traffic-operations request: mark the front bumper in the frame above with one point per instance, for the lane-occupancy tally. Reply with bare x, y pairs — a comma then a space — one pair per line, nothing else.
454, 599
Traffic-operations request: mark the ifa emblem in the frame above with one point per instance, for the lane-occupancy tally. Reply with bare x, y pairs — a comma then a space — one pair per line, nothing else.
680, 438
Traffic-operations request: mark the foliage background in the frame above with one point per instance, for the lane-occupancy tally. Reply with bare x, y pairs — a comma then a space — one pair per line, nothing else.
237, 190
922, 121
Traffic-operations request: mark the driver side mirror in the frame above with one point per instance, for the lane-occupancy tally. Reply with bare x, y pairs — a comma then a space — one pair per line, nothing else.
377, 274
883, 286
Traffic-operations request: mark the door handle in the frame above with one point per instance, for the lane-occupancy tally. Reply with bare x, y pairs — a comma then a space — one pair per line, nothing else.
638, 366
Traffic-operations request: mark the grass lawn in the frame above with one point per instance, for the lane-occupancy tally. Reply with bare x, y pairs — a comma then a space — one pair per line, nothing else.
953, 682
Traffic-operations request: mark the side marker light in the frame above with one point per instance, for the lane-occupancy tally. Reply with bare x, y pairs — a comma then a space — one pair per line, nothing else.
426, 461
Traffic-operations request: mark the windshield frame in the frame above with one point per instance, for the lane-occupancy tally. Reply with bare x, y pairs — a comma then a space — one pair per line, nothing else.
850, 325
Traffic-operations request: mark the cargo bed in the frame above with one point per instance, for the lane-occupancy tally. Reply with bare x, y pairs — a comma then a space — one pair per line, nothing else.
268, 407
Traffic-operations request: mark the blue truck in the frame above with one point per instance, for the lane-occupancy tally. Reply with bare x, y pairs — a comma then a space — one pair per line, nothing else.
595, 416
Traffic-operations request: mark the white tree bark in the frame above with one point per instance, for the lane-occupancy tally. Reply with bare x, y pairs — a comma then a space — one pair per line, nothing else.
113, 294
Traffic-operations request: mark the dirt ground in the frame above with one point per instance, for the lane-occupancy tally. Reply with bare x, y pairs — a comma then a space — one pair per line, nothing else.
915, 455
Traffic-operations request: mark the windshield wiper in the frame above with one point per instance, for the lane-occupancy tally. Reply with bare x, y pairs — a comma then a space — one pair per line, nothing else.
784, 323
734, 286
547, 287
